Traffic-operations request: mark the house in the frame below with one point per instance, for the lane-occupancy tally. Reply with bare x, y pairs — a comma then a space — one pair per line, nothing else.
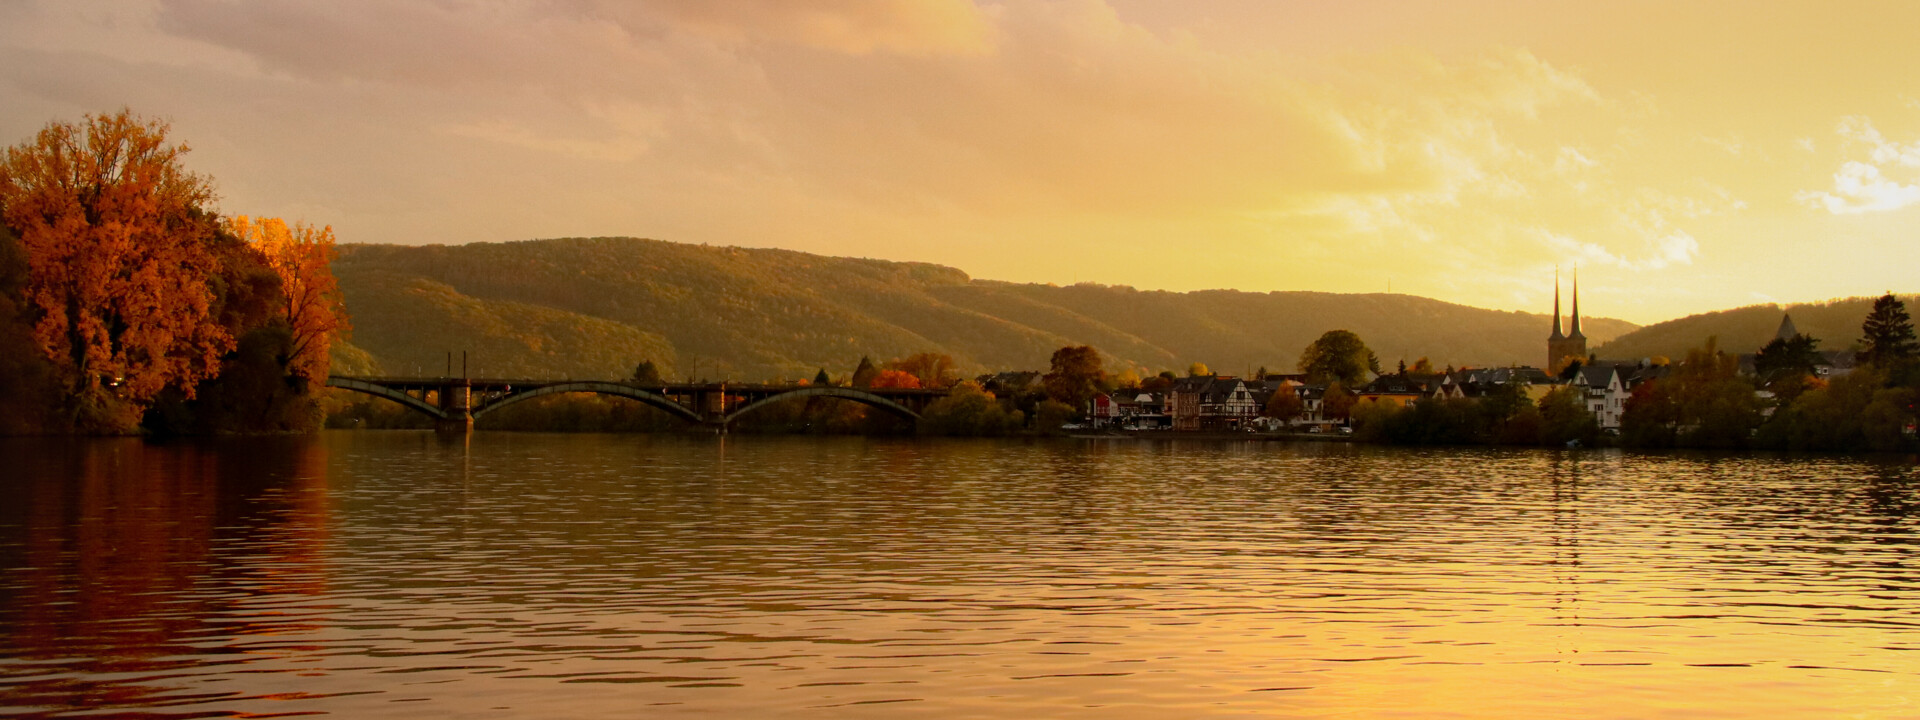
1477, 382
1603, 393
1210, 403
1103, 411
1313, 401
1398, 388
1142, 410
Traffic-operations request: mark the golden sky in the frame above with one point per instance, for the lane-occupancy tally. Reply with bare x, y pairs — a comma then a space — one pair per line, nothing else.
1686, 156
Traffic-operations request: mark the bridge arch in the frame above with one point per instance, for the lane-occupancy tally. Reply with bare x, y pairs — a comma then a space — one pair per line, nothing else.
646, 397
411, 402
859, 396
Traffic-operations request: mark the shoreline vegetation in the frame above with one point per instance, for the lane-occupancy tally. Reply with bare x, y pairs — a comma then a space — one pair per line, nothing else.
128, 305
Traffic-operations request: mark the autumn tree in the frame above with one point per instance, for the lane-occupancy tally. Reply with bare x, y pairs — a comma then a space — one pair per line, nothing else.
1338, 355
1337, 402
1075, 375
302, 257
898, 379
1199, 369
1285, 405
116, 235
934, 370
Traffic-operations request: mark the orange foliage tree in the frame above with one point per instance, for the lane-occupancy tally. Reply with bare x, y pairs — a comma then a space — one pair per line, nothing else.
932, 369
900, 379
116, 234
302, 257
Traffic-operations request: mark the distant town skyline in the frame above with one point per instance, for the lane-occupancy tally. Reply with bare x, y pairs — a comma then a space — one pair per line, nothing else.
1688, 157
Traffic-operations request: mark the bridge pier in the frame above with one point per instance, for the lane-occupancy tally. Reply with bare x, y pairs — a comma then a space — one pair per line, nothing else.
713, 409
456, 400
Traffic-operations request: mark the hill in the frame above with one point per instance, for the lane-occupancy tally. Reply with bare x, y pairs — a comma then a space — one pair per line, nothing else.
1836, 323
595, 307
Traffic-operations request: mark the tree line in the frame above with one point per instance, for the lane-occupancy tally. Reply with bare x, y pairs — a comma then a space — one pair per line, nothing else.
129, 304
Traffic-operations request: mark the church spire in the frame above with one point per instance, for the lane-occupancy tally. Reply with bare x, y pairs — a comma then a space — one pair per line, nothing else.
1556, 306
1576, 305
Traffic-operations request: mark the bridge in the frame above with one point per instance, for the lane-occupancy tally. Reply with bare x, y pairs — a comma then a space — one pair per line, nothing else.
453, 403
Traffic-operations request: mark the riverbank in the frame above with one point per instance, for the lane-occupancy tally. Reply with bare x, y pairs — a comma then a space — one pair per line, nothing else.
1216, 436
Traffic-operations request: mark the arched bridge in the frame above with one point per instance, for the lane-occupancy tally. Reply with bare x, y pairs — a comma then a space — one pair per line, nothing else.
453, 403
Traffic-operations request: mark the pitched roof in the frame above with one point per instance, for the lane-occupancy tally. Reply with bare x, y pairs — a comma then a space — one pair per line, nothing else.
1787, 331
1596, 376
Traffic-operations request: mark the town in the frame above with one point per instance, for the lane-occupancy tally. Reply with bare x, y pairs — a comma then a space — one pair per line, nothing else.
1712, 398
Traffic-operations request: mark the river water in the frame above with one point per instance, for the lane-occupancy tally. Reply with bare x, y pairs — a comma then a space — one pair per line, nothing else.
385, 574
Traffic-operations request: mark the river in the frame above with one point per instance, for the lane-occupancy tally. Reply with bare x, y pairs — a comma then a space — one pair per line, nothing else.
389, 574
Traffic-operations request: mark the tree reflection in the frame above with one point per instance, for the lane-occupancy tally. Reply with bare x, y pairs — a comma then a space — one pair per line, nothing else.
133, 556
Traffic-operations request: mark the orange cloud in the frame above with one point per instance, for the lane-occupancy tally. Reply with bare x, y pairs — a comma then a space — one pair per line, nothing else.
856, 27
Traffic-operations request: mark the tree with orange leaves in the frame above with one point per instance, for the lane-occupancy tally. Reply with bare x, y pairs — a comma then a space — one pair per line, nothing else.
899, 379
116, 236
302, 257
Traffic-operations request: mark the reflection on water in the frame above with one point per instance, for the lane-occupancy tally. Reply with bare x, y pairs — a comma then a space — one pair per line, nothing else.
361, 574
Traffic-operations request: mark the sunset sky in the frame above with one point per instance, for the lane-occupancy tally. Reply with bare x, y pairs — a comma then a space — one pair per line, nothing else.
1687, 156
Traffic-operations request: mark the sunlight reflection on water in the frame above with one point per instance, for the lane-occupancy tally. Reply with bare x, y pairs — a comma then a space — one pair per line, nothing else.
370, 574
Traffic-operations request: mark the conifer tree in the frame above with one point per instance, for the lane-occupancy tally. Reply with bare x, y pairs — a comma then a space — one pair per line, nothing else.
1888, 337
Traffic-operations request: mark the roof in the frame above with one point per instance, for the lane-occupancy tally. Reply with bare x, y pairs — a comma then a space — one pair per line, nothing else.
1597, 375
1395, 384
1786, 331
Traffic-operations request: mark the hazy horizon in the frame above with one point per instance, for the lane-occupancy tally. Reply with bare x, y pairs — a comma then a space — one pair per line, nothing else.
1686, 159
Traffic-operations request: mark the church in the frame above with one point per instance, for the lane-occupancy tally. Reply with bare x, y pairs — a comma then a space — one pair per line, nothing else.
1562, 347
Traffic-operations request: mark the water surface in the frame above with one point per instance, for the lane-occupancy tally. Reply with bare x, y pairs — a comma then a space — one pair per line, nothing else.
510, 575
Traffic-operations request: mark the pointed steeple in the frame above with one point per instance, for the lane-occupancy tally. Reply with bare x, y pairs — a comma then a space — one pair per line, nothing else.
1787, 330
1556, 306
1576, 306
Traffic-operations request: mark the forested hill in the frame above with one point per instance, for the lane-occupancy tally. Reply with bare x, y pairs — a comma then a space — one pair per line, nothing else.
594, 307
1835, 323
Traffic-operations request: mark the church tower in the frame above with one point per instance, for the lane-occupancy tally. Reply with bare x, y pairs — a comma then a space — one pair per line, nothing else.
1572, 345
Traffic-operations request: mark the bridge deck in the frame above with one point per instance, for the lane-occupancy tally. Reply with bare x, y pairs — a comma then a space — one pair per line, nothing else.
510, 384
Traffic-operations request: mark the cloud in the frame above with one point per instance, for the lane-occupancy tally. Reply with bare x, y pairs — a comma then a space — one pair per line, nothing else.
856, 27
1035, 135
1862, 186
